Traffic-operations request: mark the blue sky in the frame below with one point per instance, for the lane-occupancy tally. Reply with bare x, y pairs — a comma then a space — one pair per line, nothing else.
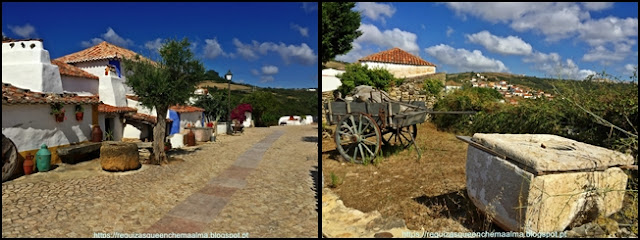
263, 44
567, 40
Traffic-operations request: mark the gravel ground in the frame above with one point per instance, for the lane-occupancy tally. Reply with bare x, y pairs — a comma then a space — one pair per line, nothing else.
81, 200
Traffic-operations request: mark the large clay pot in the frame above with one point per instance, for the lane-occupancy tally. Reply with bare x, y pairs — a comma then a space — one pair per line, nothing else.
96, 134
190, 138
28, 164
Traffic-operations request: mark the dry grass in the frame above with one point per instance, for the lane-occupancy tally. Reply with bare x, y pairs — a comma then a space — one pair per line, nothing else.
429, 193
223, 86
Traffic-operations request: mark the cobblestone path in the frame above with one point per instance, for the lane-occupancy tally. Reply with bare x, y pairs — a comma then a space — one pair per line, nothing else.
256, 184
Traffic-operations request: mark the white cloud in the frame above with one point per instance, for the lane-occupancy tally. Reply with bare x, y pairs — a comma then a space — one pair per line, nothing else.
110, 36
301, 54
310, 6
496, 11
269, 70
265, 79
154, 45
465, 60
603, 54
213, 49
510, 45
449, 31
26, 31
245, 50
355, 53
255, 72
609, 29
597, 6
630, 69
404, 40
375, 11
303, 31
552, 65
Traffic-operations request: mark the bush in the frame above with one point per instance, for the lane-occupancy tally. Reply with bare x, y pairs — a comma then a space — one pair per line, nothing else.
357, 75
433, 86
469, 99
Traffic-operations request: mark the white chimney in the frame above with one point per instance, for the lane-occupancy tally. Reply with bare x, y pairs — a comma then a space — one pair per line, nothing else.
25, 64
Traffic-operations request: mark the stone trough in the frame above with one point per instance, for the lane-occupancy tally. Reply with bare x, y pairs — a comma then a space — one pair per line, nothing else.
543, 183
119, 156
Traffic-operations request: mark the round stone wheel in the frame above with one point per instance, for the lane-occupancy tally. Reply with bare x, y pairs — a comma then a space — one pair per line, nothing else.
119, 156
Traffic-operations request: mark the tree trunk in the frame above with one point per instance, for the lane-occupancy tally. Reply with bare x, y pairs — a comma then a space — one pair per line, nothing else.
159, 130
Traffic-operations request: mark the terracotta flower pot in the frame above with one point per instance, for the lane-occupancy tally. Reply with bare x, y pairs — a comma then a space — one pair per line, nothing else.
28, 164
79, 116
59, 117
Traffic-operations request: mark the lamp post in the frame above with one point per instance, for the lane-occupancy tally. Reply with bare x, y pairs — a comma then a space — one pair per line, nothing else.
228, 77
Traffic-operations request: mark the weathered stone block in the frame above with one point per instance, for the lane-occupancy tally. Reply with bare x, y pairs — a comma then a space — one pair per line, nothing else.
119, 156
544, 189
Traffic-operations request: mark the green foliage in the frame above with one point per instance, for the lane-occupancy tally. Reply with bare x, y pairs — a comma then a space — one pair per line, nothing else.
433, 86
356, 75
214, 103
170, 82
466, 99
339, 28
335, 180
213, 76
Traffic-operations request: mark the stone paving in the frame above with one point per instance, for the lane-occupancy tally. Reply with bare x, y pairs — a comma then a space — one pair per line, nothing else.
243, 184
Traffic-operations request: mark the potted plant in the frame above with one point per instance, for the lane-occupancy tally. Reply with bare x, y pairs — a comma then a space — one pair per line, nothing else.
237, 115
58, 111
79, 112
109, 136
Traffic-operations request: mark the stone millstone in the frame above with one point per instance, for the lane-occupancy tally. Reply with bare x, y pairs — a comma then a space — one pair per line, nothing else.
119, 156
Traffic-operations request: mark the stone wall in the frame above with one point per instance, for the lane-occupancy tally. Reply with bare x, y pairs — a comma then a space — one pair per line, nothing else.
326, 98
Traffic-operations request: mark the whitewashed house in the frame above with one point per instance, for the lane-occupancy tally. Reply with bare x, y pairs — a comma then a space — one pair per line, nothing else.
330, 81
30, 86
399, 63
117, 117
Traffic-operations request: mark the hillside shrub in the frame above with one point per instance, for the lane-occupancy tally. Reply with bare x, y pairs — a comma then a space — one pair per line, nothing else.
356, 75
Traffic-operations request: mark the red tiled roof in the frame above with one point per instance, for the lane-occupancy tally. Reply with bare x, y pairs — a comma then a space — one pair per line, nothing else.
397, 56
134, 98
15, 95
70, 70
144, 118
104, 108
103, 50
184, 109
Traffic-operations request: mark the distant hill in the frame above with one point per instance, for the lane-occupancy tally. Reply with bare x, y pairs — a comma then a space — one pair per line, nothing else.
544, 84
219, 85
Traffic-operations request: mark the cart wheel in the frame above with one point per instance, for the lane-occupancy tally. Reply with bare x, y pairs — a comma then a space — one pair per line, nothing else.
402, 137
358, 138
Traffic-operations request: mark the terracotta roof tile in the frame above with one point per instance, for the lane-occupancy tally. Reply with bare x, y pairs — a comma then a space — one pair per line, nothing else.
145, 118
103, 50
70, 70
104, 108
184, 109
397, 56
15, 95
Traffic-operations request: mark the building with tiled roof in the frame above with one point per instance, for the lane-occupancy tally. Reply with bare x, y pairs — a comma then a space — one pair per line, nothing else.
72, 71
36, 109
185, 109
15, 95
104, 108
399, 63
102, 51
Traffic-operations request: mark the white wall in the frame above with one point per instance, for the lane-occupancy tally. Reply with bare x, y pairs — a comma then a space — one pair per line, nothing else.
30, 68
81, 86
247, 121
329, 80
401, 70
31, 125
190, 117
112, 89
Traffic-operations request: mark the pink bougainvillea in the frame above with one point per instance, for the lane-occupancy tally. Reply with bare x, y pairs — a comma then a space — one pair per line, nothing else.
238, 112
